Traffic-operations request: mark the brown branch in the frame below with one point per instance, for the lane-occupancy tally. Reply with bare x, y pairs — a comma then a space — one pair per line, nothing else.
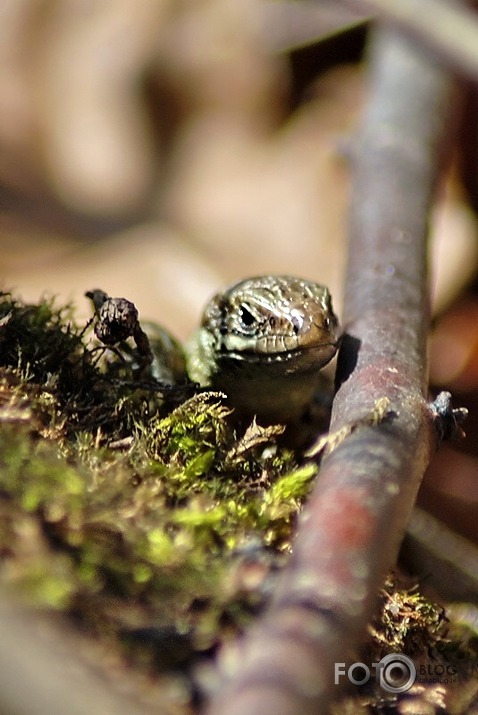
448, 28
357, 514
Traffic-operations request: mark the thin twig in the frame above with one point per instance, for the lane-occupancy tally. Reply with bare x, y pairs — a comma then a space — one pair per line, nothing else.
357, 514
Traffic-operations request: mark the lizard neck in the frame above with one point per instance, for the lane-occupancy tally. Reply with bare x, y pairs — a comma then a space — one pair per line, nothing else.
276, 391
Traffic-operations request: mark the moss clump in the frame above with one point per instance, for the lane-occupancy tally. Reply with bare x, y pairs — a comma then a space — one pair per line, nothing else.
407, 621
409, 627
129, 503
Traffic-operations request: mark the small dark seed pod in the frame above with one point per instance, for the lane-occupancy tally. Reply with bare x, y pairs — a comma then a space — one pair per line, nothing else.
117, 321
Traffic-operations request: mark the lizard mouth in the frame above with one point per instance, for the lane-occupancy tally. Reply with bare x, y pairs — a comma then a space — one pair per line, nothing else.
275, 344
319, 355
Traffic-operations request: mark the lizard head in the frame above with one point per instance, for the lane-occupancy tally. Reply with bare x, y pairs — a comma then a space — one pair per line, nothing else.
272, 318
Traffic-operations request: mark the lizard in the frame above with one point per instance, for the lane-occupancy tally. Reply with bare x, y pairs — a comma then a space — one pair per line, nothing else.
263, 342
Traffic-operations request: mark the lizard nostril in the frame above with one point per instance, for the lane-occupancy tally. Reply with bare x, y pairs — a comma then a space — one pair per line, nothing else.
297, 320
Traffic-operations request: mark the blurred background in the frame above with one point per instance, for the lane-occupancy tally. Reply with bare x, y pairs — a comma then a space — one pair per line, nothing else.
161, 149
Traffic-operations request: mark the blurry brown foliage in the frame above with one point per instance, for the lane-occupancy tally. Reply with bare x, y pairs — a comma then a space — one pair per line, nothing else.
161, 149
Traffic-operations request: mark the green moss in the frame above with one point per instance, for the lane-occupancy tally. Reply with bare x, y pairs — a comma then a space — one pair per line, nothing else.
407, 622
126, 502
285, 495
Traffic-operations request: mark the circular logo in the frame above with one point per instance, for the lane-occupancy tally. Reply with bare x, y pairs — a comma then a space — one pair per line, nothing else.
397, 673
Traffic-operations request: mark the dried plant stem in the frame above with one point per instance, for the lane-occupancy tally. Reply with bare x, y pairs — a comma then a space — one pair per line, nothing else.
358, 512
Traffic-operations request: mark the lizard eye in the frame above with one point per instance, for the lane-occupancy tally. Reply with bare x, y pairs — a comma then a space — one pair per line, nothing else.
247, 318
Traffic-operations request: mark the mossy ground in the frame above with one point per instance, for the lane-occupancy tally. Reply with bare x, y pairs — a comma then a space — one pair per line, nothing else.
143, 512
136, 507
